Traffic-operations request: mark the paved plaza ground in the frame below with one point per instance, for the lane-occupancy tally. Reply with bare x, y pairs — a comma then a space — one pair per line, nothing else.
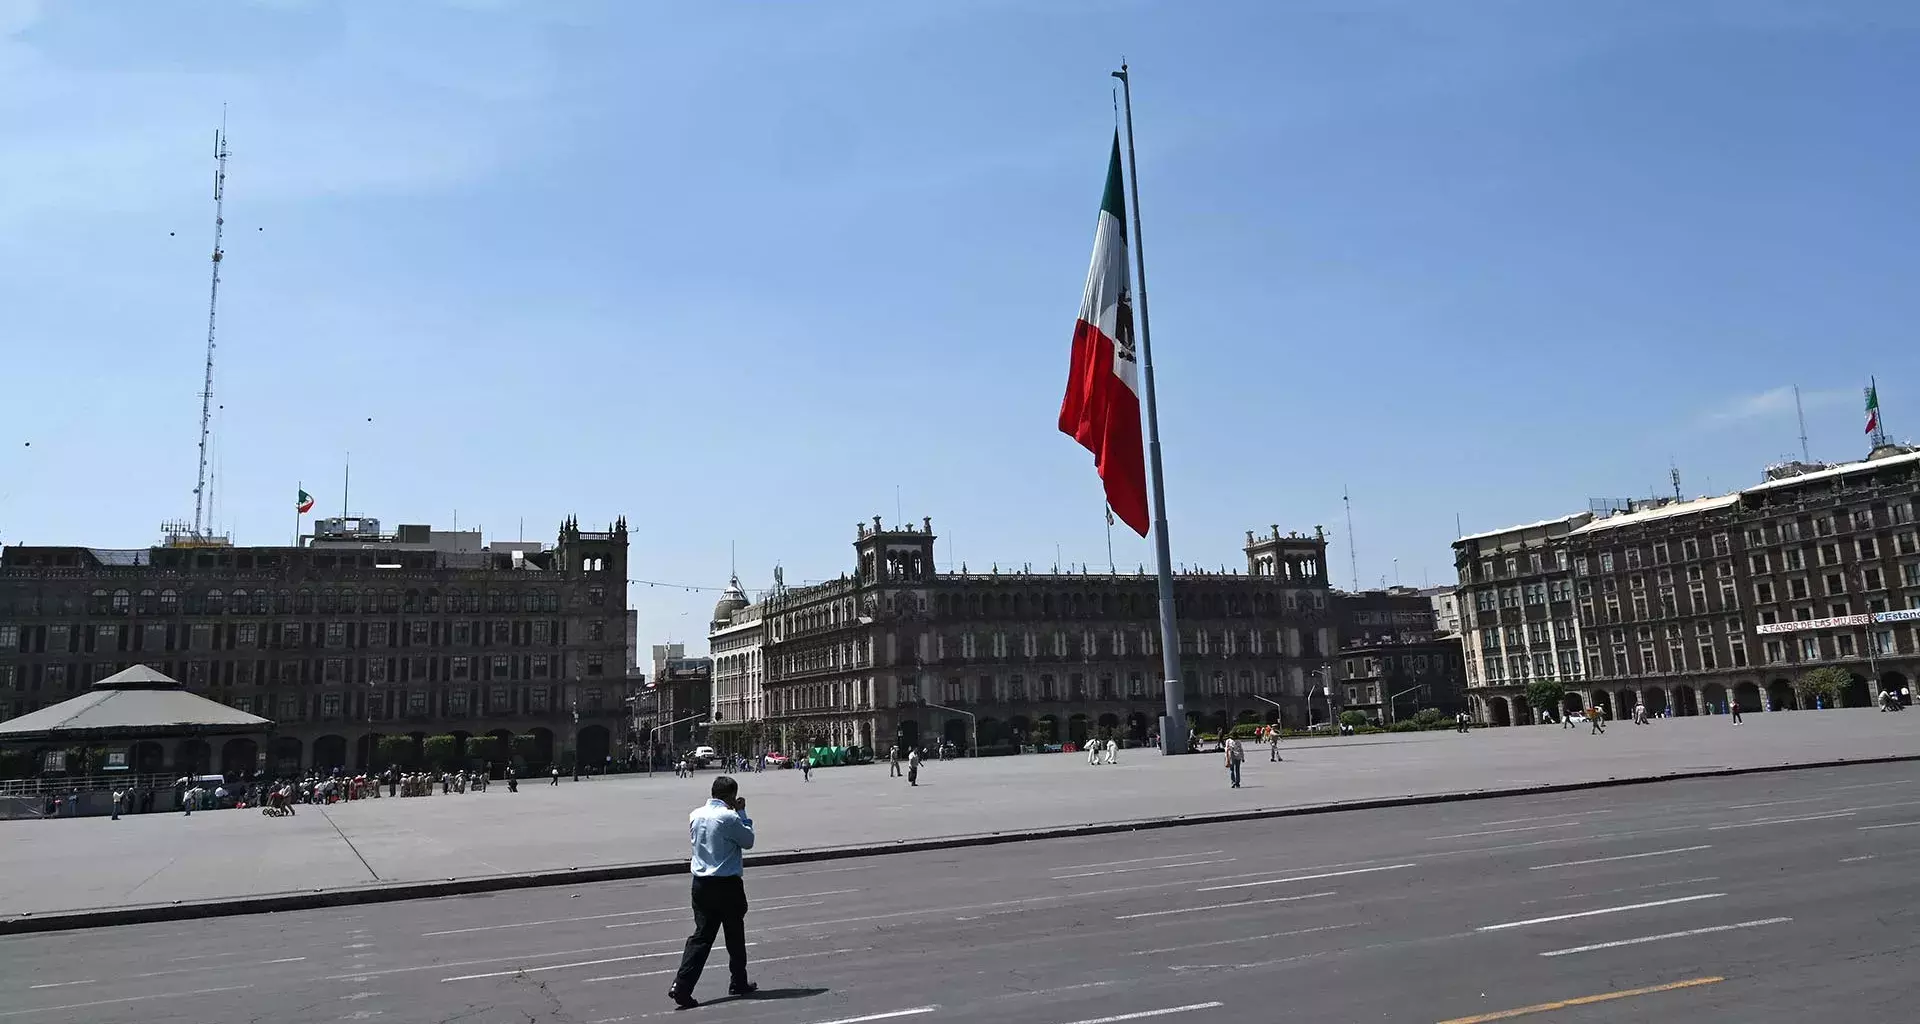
80, 863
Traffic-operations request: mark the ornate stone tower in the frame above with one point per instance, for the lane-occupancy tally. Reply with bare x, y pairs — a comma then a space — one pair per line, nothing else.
1299, 560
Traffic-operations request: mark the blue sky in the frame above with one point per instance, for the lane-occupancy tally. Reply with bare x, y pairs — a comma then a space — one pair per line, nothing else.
739, 271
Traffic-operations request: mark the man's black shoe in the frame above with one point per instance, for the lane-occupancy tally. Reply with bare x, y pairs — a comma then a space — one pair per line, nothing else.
683, 1000
744, 990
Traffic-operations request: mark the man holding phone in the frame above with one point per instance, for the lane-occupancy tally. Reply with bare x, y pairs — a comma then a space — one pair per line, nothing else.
720, 831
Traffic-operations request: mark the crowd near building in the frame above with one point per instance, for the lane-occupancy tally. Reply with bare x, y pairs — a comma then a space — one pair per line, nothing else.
895, 651
349, 637
1694, 606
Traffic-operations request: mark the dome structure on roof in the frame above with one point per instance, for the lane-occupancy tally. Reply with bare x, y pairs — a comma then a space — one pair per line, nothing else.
731, 601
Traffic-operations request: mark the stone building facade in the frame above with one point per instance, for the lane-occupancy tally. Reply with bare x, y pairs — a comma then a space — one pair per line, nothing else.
354, 636
896, 651
1696, 605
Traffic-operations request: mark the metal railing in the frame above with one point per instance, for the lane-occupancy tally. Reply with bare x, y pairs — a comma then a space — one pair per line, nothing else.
56, 784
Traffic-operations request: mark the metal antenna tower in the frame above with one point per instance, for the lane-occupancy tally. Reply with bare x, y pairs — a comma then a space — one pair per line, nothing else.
1801, 411
213, 309
1353, 559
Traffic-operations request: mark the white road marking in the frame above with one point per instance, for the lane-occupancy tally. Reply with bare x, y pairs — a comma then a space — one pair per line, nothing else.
1901, 824
1147, 867
567, 966
1689, 933
757, 907
1221, 906
1250, 938
1635, 888
670, 970
364, 975
1136, 860
1504, 831
889, 1015
64, 984
1539, 817
287, 960
1624, 856
1143, 1014
1781, 821
124, 999
1597, 913
1302, 878
555, 920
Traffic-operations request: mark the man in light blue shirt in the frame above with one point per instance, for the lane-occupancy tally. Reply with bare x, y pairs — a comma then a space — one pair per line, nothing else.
720, 830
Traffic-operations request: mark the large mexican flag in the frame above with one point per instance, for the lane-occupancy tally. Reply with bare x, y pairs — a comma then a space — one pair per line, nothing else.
1102, 406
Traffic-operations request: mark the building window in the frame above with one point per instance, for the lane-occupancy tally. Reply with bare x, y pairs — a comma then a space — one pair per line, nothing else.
376, 670
501, 666
417, 702
289, 673
336, 670
596, 595
169, 602
537, 699
290, 635
1633, 557
377, 634
1810, 648
542, 666
462, 634
289, 707
336, 634
330, 705
422, 631
1606, 561
542, 632
457, 703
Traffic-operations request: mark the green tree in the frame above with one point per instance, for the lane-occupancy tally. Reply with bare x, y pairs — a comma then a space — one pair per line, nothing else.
484, 749
1546, 695
442, 751
1353, 718
396, 750
1826, 683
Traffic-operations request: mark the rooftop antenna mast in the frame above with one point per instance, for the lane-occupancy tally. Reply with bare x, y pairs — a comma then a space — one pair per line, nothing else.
1801, 411
1353, 559
213, 310
1673, 474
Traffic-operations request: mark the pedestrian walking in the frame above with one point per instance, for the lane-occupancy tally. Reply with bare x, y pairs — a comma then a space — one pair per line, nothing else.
893, 762
720, 830
1235, 755
1733, 706
555, 773
119, 797
1094, 749
913, 768
806, 768
1113, 750
1273, 743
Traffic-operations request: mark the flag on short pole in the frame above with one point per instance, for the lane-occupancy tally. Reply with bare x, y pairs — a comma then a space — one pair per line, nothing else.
1102, 405
1873, 408
303, 504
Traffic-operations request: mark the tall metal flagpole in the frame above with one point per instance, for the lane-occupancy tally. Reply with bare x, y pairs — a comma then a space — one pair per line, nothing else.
1173, 724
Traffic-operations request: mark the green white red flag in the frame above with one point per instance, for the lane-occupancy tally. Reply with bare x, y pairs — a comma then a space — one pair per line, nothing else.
1873, 408
303, 504
1102, 405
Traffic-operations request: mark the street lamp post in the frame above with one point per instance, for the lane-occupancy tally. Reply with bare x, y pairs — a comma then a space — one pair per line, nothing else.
1391, 712
973, 723
656, 732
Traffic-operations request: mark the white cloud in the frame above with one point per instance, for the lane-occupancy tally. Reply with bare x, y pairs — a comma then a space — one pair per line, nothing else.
1769, 404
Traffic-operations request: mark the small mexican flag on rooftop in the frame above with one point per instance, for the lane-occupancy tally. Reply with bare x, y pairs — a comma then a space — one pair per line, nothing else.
304, 504
1873, 408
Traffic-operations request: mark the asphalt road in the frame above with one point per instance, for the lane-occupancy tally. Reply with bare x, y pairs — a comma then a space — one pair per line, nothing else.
1774, 898
94, 862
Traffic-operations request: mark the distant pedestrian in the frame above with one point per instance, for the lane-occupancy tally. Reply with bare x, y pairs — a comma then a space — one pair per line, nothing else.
1273, 743
806, 768
1113, 750
1733, 706
554, 772
1094, 749
1235, 756
720, 830
119, 797
1640, 713
913, 768
893, 762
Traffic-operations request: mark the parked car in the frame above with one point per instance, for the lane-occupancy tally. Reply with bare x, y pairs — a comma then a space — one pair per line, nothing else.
705, 757
776, 759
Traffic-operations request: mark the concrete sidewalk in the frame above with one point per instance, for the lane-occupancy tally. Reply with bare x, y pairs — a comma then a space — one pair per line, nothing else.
82, 863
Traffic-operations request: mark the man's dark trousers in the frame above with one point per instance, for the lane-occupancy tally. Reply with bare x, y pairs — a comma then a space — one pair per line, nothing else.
718, 903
